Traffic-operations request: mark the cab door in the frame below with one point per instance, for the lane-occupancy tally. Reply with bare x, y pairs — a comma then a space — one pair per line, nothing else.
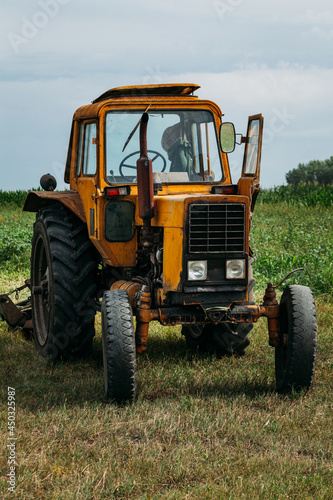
249, 182
87, 176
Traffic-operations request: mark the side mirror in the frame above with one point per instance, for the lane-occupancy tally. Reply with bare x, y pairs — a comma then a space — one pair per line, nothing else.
227, 137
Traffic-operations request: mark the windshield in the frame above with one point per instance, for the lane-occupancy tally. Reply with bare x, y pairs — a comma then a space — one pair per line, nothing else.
182, 145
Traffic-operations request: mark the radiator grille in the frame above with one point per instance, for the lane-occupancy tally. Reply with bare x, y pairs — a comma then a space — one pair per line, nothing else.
216, 227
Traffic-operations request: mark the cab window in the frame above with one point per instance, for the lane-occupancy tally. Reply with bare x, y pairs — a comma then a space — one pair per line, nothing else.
87, 149
79, 150
182, 145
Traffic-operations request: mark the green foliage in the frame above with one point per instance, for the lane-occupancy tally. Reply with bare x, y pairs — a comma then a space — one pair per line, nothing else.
15, 238
299, 196
14, 198
285, 238
320, 172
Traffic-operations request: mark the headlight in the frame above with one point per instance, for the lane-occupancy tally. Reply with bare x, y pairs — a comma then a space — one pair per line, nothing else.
235, 269
197, 270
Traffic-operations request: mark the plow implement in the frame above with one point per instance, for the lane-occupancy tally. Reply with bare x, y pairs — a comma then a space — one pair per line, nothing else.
17, 314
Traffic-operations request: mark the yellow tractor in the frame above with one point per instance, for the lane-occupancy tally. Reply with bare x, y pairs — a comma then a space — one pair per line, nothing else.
152, 227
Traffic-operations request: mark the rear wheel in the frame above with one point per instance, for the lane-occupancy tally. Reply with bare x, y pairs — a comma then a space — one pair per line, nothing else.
119, 350
223, 339
295, 358
62, 283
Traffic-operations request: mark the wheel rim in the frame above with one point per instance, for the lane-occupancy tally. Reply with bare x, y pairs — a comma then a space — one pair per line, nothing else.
281, 352
195, 331
41, 292
283, 359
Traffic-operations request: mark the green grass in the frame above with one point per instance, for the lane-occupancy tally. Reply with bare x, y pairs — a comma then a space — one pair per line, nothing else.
12, 198
303, 195
284, 238
202, 428
15, 238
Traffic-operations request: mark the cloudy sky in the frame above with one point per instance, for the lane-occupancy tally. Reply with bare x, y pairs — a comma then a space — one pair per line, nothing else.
249, 56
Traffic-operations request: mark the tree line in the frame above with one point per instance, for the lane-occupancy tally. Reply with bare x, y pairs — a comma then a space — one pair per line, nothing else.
314, 172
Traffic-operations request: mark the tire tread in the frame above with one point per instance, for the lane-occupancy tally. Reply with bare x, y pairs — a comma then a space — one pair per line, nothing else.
73, 275
295, 365
119, 349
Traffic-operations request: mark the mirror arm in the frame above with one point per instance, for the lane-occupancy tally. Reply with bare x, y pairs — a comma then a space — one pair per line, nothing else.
243, 139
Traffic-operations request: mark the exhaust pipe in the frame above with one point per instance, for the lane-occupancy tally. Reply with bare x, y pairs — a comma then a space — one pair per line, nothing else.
145, 186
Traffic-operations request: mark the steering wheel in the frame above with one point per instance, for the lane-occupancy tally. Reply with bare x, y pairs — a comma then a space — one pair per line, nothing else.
157, 156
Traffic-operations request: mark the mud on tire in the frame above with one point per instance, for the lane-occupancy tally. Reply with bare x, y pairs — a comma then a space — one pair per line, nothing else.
63, 284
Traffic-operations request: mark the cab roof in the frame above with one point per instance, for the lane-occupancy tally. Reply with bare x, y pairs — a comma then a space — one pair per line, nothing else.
135, 91
166, 93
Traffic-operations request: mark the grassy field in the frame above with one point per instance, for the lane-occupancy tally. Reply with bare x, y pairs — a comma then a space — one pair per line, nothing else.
311, 195
202, 427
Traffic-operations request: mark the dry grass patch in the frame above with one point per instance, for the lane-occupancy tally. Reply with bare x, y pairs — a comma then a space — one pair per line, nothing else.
201, 427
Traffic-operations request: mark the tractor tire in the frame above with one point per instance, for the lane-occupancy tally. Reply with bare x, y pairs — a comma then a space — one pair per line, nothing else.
224, 339
295, 359
63, 286
119, 350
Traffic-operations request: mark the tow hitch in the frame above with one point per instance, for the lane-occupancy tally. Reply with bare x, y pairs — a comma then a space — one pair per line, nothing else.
251, 313
18, 314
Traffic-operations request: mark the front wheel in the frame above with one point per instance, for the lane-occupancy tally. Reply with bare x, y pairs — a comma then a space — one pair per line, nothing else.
119, 351
295, 358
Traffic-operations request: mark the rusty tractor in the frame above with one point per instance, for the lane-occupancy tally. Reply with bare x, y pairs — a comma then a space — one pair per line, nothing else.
153, 228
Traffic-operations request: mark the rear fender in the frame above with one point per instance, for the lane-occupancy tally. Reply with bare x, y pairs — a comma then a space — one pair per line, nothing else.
39, 199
